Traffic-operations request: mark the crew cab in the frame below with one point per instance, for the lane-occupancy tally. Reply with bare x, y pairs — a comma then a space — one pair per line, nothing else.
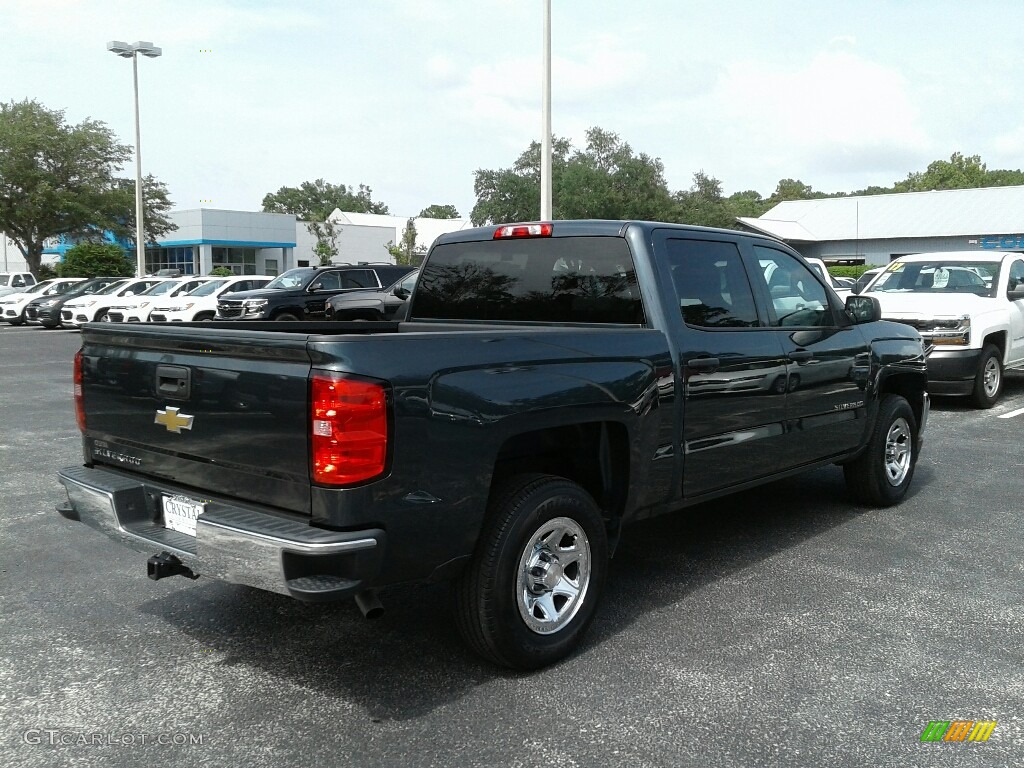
553, 383
969, 305
302, 293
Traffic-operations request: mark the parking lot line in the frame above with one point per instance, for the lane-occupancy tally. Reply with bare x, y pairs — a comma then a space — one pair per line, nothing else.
1011, 414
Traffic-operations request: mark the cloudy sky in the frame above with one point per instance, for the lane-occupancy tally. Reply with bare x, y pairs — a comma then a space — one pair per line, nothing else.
410, 97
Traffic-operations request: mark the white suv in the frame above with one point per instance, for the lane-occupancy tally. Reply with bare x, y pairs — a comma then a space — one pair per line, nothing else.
12, 306
137, 308
94, 306
201, 304
969, 305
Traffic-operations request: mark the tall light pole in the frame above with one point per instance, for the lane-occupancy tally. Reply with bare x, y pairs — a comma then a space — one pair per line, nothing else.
131, 52
545, 145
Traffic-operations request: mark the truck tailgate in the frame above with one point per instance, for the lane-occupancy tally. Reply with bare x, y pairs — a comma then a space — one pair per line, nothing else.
224, 412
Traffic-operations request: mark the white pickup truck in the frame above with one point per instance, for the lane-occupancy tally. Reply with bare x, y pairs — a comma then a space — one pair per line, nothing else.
15, 282
970, 306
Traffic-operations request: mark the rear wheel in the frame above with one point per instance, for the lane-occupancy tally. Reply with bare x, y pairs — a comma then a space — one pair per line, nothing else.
881, 475
286, 316
988, 382
533, 585
19, 320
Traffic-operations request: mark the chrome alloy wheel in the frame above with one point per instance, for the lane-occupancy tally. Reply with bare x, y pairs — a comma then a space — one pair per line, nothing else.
990, 377
898, 452
553, 575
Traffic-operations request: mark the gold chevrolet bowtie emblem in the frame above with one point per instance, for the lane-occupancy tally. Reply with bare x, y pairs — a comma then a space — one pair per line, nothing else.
173, 420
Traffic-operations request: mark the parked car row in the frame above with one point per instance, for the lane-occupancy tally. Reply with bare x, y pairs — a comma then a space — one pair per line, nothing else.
306, 293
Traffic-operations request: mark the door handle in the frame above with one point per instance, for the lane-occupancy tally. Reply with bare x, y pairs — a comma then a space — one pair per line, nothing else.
704, 364
173, 382
800, 355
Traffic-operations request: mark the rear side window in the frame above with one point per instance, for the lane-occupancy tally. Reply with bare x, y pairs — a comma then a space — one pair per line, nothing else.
561, 279
711, 284
359, 278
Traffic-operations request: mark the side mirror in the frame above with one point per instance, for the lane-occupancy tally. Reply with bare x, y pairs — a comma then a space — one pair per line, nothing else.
863, 309
1016, 294
402, 293
316, 287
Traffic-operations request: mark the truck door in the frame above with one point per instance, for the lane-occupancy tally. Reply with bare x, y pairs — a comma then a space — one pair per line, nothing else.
733, 367
827, 357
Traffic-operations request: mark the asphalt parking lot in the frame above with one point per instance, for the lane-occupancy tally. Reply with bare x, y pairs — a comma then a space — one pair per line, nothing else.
784, 626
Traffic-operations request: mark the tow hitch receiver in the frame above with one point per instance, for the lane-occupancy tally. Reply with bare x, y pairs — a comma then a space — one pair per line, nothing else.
165, 564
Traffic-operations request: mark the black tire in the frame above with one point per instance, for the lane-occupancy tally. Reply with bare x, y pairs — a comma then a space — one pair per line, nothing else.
988, 381
100, 317
17, 320
204, 317
288, 316
494, 596
881, 475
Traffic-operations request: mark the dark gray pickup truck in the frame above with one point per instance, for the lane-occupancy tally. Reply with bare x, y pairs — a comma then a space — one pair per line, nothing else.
551, 383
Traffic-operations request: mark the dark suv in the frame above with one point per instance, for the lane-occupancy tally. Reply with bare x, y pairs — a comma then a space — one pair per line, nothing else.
46, 309
302, 293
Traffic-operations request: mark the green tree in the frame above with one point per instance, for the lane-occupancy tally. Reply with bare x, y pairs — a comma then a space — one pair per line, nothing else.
407, 252
606, 180
440, 212
59, 179
221, 272
703, 204
156, 204
326, 234
793, 189
316, 200
747, 203
96, 260
958, 172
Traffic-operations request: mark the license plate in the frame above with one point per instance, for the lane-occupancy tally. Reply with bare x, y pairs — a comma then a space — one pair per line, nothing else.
180, 513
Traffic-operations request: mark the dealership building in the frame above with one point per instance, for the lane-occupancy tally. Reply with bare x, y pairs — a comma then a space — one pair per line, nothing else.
874, 229
256, 243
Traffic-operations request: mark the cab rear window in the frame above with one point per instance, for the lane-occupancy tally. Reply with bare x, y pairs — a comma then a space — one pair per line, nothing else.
562, 280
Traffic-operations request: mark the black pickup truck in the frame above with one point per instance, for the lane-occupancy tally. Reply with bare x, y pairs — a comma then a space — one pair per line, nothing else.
552, 383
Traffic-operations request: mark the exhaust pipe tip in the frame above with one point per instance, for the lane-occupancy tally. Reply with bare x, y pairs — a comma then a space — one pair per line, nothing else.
369, 604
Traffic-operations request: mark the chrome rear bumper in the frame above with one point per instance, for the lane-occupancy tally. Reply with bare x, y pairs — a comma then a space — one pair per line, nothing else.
276, 552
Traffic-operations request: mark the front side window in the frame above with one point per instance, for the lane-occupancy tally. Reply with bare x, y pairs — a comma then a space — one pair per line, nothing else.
711, 284
797, 298
550, 279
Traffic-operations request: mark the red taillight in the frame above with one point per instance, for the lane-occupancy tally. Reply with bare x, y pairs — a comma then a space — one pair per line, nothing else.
349, 427
79, 407
524, 230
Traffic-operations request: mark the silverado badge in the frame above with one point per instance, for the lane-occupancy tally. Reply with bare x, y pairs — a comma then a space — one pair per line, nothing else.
173, 420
